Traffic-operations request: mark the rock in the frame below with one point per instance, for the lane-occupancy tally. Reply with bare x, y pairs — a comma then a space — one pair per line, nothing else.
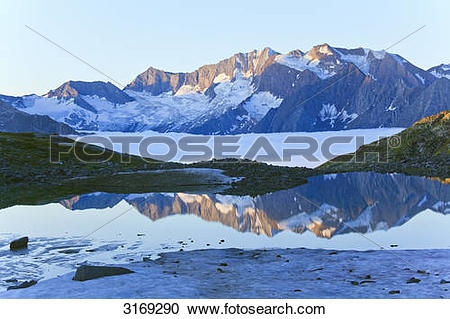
368, 277
146, 259
393, 292
69, 251
394, 245
219, 269
413, 281
443, 282
11, 280
367, 282
84, 272
21, 243
223, 264
25, 284
354, 283
333, 253
317, 269
297, 290
422, 272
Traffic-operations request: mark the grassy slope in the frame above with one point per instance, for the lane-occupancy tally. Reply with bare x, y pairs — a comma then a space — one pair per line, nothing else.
28, 177
424, 150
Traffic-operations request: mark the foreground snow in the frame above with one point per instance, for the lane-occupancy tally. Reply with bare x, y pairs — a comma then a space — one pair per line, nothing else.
233, 273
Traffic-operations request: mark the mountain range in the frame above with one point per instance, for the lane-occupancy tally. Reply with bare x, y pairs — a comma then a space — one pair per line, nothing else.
323, 89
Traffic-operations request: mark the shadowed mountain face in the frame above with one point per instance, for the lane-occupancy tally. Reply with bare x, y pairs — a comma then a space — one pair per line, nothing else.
15, 121
326, 88
326, 205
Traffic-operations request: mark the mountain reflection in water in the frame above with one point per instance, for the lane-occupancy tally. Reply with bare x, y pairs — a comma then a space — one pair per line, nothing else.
326, 205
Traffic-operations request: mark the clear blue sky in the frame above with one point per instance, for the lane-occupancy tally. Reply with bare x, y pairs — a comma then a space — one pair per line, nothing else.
123, 38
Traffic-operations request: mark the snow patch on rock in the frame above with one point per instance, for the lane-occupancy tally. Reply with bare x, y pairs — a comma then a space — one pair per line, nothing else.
302, 64
260, 103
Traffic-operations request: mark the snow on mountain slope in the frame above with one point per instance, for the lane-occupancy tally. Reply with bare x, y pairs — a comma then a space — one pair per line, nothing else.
301, 63
361, 57
65, 111
441, 71
144, 111
260, 103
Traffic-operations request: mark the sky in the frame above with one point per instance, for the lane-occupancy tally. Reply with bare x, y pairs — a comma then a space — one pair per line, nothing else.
124, 38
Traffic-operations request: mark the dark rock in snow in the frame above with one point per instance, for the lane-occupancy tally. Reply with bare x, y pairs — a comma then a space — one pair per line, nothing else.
84, 272
413, 281
11, 280
69, 251
21, 243
393, 292
25, 284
